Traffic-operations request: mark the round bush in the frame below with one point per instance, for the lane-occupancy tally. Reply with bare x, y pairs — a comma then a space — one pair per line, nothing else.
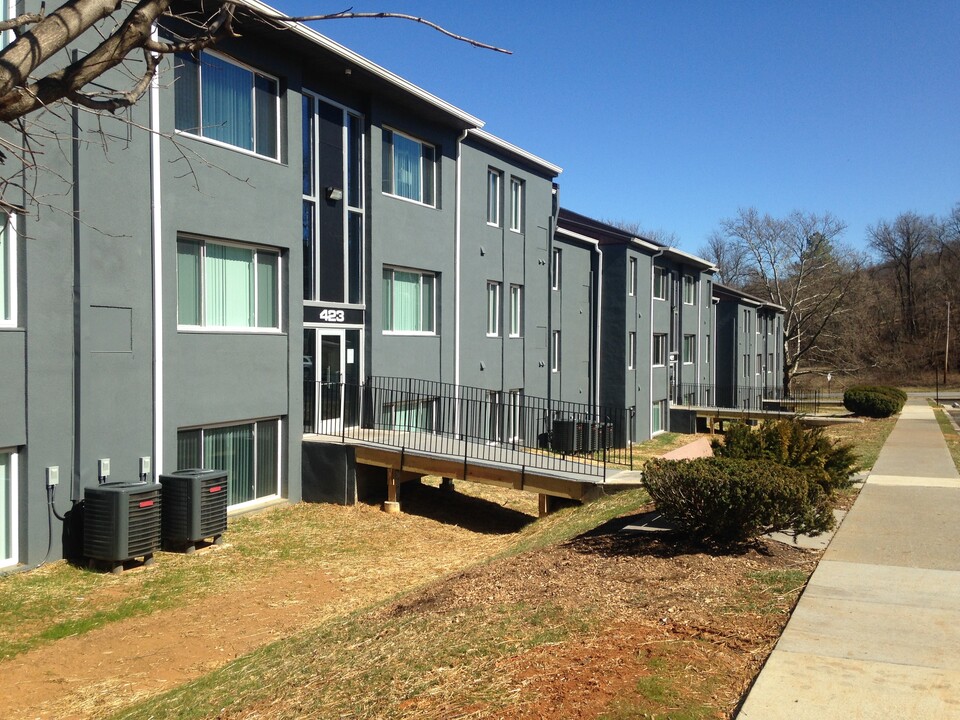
726, 501
874, 401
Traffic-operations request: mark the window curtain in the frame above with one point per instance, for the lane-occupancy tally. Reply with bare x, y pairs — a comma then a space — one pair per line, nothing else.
6, 521
186, 86
388, 323
231, 449
188, 282
406, 301
268, 439
267, 290
188, 450
228, 274
265, 97
406, 167
226, 109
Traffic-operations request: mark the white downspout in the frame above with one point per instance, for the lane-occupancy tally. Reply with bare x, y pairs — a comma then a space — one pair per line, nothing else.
457, 240
599, 323
653, 275
156, 237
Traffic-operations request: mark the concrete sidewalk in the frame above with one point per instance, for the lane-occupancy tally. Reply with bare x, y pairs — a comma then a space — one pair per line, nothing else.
876, 633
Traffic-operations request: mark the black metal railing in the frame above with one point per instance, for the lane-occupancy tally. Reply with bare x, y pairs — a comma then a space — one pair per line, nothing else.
474, 423
745, 397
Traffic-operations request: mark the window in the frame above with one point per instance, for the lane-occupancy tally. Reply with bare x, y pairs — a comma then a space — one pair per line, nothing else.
631, 351
689, 349
633, 278
555, 360
493, 309
221, 100
759, 368
516, 310
659, 349
516, 205
409, 168
8, 508
410, 415
706, 348
769, 363
659, 284
249, 452
746, 364
227, 286
8, 274
658, 411
689, 290
493, 197
746, 321
409, 304
555, 270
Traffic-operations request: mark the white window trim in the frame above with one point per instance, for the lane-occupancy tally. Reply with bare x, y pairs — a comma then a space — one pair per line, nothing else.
653, 290
236, 329
653, 350
632, 277
693, 348
494, 175
692, 284
517, 193
555, 269
14, 512
519, 328
433, 310
10, 244
220, 143
661, 405
436, 189
631, 350
555, 352
497, 287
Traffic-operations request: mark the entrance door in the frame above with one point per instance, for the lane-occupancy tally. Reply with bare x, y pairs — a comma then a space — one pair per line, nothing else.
323, 374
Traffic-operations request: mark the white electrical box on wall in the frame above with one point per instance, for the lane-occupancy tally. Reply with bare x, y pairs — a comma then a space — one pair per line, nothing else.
53, 475
103, 467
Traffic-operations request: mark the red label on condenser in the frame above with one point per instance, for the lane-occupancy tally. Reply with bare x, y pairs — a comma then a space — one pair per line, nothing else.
216, 488
147, 503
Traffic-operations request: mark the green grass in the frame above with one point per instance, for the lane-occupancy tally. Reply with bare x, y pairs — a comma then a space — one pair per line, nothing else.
949, 434
764, 592
867, 438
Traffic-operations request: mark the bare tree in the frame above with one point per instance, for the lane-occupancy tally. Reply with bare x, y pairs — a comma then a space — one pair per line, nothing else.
730, 258
636, 228
902, 245
796, 262
61, 57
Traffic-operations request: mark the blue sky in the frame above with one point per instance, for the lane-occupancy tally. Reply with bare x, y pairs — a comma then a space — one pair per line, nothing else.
675, 114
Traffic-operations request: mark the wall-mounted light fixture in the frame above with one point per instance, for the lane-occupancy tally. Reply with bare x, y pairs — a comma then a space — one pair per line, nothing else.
334, 193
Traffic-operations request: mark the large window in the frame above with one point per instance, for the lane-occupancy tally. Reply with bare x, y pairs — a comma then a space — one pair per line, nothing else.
659, 349
516, 310
410, 415
8, 274
221, 100
493, 196
409, 301
689, 349
659, 283
689, 290
493, 309
409, 168
658, 411
249, 452
516, 205
227, 286
8, 508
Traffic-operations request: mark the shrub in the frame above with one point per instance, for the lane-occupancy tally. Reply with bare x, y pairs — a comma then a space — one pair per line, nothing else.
724, 501
873, 400
788, 442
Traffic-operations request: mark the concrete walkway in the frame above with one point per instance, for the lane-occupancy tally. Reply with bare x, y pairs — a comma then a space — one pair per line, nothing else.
876, 633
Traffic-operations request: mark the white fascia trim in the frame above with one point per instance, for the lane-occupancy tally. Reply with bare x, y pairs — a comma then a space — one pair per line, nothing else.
577, 236
705, 264
515, 150
361, 62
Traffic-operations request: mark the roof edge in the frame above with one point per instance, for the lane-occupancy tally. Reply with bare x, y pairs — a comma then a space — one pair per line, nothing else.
516, 150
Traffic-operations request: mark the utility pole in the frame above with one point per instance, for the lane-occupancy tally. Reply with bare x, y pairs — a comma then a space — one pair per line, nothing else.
946, 351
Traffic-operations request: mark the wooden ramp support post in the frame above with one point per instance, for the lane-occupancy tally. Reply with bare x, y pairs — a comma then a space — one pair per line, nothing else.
391, 505
446, 484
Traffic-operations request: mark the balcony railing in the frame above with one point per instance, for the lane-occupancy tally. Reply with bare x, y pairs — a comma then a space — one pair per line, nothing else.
474, 423
745, 397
